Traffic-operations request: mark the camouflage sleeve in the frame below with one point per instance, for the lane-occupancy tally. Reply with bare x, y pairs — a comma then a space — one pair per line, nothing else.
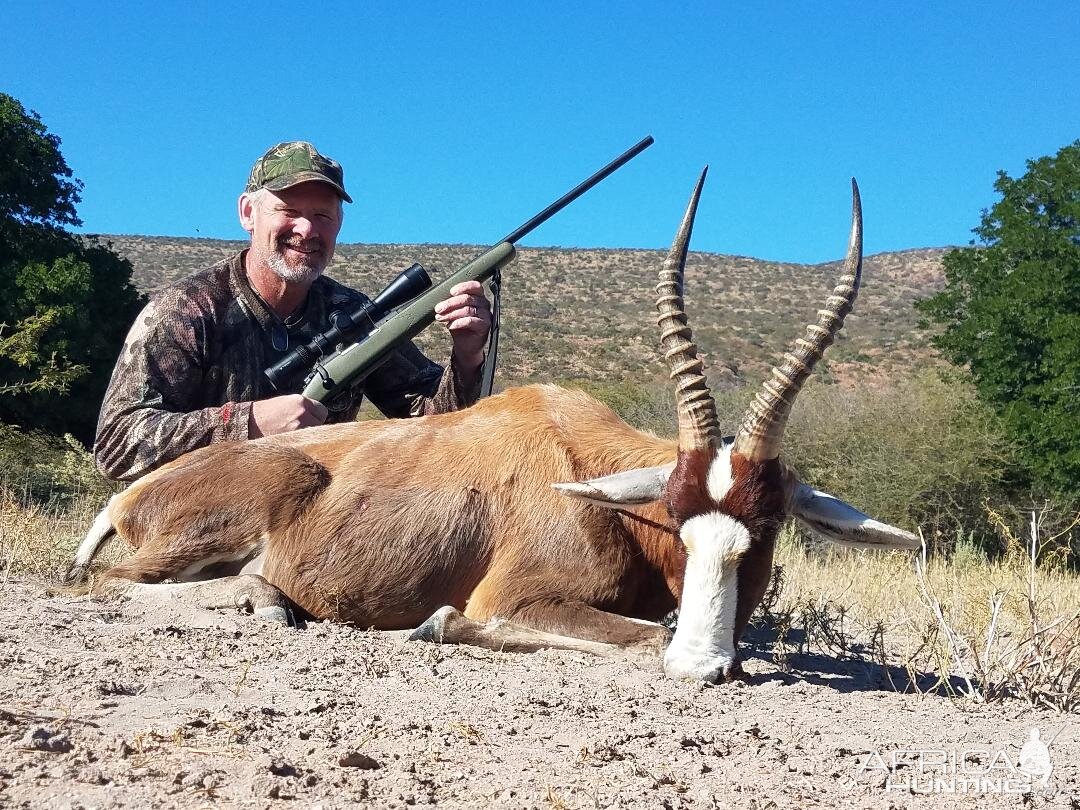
409, 384
150, 415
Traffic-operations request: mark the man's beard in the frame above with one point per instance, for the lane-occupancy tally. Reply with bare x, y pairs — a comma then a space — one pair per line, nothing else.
304, 271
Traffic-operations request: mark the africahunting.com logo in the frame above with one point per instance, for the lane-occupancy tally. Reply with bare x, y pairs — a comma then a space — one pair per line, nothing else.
969, 770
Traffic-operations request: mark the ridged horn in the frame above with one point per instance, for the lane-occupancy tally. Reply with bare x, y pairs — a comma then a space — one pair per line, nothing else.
698, 424
762, 430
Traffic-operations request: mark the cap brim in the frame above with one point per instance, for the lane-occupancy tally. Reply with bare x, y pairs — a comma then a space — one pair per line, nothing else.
282, 183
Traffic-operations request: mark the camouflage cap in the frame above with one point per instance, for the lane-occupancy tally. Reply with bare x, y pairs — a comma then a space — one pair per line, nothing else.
293, 162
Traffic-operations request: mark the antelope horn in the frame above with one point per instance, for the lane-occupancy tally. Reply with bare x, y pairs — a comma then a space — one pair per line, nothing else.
698, 424
762, 429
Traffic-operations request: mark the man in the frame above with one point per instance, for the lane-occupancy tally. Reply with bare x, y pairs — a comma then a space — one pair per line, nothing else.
191, 370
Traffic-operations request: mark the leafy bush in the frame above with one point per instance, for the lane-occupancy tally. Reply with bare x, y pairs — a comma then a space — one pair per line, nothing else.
48, 469
65, 301
1011, 314
922, 452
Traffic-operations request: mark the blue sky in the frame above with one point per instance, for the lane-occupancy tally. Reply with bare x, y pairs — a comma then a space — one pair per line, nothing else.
455, 122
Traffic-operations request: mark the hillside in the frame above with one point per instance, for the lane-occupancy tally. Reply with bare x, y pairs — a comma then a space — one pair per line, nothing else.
586, 314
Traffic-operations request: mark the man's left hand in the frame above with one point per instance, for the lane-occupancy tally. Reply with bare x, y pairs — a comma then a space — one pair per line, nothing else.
467, 314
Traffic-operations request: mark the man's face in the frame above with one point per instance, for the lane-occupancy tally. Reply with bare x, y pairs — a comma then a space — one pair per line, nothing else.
294, 231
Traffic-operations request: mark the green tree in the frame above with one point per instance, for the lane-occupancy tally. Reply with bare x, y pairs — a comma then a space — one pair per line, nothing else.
1011, 314
65, 300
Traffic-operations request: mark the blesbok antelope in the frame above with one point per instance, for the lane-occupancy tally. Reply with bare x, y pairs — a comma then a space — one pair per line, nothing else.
462, 518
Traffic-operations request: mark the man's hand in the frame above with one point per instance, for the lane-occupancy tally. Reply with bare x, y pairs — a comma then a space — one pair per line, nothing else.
467, 314
284, 414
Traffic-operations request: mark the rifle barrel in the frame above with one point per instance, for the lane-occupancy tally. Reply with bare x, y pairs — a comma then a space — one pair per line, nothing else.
357, 360
578, 190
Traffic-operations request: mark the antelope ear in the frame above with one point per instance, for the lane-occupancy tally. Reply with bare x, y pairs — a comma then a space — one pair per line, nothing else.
643, 485
845, 525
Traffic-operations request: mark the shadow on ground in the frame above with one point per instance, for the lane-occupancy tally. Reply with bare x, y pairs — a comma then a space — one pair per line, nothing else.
853, 668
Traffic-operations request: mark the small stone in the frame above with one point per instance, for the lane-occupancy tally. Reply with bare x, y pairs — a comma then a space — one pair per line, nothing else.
281, 768
354, 759
41, 739
266, 787
108, 688
94, 776
193, 780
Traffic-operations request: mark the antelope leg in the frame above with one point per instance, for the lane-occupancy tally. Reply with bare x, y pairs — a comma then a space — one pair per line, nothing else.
450, 626
247, 592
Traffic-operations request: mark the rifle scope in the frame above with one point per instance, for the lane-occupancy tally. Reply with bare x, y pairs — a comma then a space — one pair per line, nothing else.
347, 327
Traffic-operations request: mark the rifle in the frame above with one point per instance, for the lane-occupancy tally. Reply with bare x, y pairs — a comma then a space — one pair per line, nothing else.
347, 327
373, 342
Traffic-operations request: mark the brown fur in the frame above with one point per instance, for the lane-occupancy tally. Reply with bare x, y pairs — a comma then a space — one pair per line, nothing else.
757, 499
686, 492
218, 500
382, 523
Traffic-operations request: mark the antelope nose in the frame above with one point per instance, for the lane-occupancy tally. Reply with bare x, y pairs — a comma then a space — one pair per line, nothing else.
726, 673
710, 670
715, 675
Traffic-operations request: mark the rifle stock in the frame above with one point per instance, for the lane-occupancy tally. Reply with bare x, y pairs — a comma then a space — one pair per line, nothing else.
357, 361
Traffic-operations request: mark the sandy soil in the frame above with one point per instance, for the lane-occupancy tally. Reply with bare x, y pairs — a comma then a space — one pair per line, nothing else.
116, 705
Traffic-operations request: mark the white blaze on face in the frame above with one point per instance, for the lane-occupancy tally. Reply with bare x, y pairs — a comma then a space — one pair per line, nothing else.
718, 480
704, 644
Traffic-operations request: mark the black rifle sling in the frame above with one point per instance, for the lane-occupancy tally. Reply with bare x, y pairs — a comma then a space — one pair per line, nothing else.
492, 357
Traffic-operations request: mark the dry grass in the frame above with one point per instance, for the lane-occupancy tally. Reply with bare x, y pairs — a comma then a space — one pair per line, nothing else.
39, 539
964, 626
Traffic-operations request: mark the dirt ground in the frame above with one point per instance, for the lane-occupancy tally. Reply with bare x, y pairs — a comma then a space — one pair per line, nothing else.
110, 704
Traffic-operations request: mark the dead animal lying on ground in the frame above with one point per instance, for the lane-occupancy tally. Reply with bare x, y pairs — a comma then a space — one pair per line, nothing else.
458, 524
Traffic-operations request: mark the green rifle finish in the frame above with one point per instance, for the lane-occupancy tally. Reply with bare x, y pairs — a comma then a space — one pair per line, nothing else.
357, 361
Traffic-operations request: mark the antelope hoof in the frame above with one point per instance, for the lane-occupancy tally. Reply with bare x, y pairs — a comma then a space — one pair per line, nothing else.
75, 574
434, 629
257, 596
278, 614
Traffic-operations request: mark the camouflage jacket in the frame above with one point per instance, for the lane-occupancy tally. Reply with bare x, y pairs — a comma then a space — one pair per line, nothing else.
193, 364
